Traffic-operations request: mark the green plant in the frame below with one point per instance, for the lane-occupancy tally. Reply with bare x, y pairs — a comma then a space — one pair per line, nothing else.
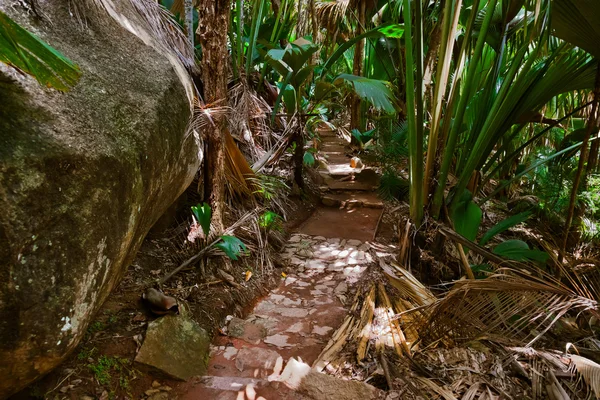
203, 215
28, 53
103, 368
231, 246
518, 250
96, 326
271, 221
392, 186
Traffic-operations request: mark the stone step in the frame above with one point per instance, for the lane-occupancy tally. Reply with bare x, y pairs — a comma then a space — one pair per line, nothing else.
349, 200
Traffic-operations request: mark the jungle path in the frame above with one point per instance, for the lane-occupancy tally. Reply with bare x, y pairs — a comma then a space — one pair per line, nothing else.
326, 255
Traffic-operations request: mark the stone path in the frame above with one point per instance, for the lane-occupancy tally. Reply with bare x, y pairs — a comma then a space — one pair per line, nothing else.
295, 320
329, 253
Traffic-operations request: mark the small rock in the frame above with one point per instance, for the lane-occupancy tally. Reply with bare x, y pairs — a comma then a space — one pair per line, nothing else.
341, 288
295, 239
256, 357
353, 242
296, 261
159, 396
155, 384
86, 398
333, 240
177, 346
150, 392
320, 238
321, 330
278, 340
364, 247
165, 388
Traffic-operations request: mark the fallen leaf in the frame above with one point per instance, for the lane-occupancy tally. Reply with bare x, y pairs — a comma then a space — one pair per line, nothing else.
284, 275
248, 275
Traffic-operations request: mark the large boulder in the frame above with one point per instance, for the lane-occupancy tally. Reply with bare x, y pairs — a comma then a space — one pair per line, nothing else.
83, 177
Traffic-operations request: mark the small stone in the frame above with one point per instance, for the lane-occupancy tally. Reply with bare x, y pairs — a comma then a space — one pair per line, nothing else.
360, 255
353, 242
321, 330
296, 261
278, 340
256, 357
175, 345
304, 253
165, 388
295, 239
86, 398
333, 240
297, 327
364, 247
155, 384
341, 288
316, 264
292, 312
150, 392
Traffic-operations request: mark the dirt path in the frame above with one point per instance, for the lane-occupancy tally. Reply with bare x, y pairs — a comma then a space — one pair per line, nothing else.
327, 255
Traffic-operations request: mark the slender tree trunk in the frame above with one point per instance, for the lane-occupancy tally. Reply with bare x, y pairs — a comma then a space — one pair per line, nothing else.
189, 21
313, 22
359, 50
212, 33
583, 157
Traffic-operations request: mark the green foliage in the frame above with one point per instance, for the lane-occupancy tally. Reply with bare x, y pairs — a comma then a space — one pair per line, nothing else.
392, 186
363, 137
271, 221
375, 91
505, 225
309, 159
96, 326
203, 214
28, 53
105, 366
231, 246
466, 216
518, 250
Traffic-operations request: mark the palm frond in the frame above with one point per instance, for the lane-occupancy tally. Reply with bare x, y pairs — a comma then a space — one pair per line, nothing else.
510, 304
589, 370
28, 53
375, 91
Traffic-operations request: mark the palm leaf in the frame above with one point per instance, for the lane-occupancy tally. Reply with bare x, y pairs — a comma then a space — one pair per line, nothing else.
589, 370
375, 91
510, 305
576, 22
28, 53
504, 225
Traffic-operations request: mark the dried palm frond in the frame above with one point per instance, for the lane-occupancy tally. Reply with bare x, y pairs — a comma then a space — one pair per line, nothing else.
509, 304
238, 173
331, 12
409, 286
589, 370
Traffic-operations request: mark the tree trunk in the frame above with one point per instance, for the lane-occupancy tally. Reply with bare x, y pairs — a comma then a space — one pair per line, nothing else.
359, 49
212, 33
581, 169
189, 21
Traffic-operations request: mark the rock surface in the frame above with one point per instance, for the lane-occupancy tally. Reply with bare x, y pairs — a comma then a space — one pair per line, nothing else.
83, 177
176, 346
